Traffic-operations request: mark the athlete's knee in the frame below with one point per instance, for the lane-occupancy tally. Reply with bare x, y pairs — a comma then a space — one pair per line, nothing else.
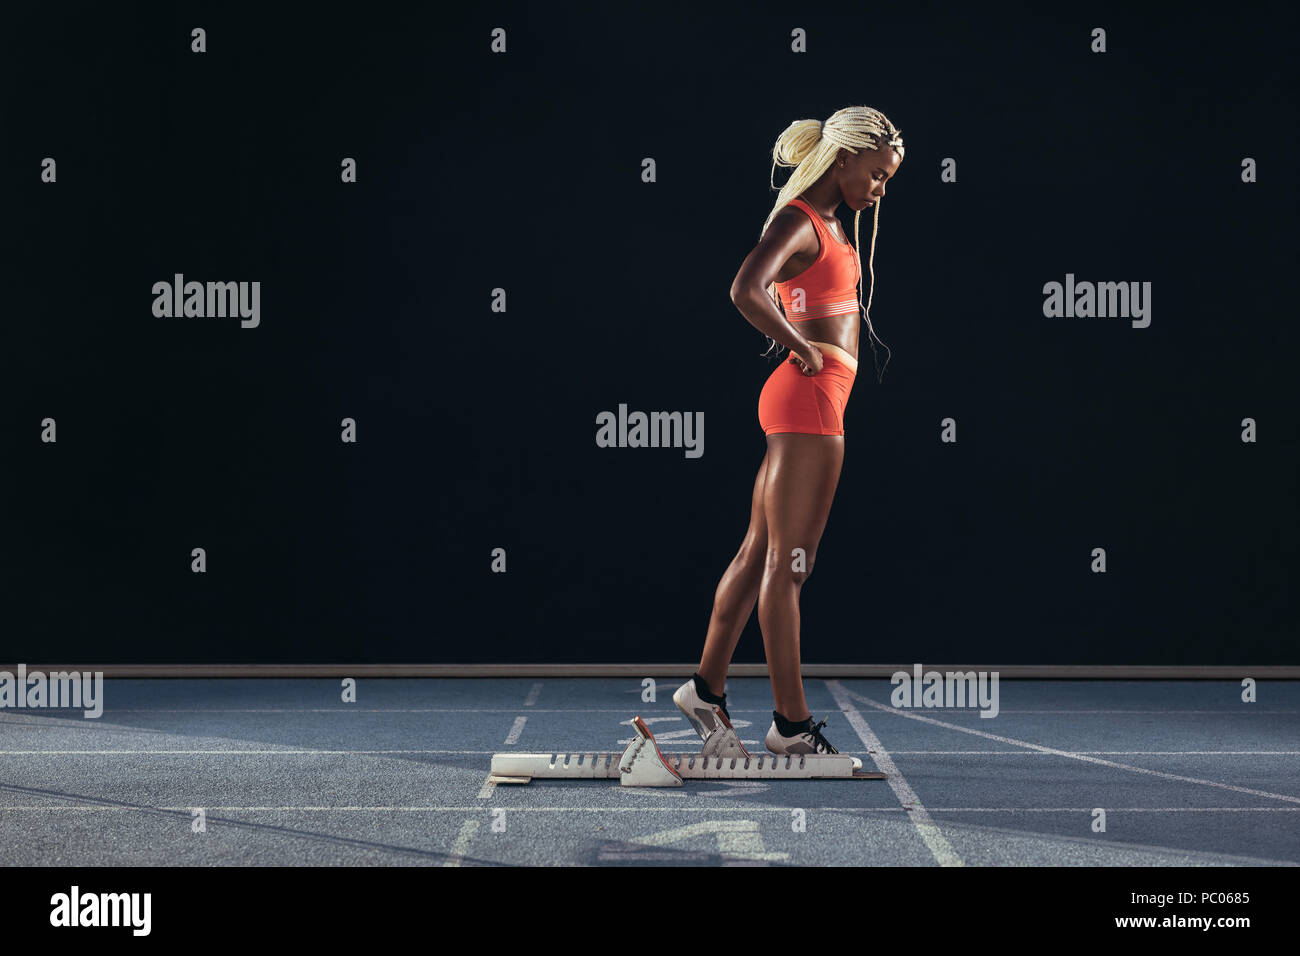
792, 565
753, 551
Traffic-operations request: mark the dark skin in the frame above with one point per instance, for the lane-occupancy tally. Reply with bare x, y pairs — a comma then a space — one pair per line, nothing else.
796, 482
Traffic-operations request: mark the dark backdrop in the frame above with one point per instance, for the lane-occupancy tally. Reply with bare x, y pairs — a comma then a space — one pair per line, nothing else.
477, 429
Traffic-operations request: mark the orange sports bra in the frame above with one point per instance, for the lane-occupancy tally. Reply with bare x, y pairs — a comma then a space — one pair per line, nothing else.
827, 287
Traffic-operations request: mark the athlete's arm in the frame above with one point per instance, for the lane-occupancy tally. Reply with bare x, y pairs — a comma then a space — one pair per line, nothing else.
790, 232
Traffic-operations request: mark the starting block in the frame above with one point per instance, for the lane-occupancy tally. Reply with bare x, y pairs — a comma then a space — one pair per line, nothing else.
643, 764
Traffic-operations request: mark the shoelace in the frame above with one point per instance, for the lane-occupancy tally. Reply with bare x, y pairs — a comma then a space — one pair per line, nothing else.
822, 744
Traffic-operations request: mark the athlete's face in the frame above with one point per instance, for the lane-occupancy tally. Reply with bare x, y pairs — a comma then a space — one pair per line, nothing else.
863, 178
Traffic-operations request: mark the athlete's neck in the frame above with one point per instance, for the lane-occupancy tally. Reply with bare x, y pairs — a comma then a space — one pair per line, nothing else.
824, 205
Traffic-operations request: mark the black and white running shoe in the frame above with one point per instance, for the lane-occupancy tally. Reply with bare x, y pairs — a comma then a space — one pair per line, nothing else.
806, 742
698, 710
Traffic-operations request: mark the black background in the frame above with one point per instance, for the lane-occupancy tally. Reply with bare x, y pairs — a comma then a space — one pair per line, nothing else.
522, 171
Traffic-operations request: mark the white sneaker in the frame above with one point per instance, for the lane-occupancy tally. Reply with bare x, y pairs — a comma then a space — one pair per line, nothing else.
808, 742
697, 710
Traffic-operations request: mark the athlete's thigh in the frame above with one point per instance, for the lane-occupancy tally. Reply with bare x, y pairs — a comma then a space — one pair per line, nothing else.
802, 474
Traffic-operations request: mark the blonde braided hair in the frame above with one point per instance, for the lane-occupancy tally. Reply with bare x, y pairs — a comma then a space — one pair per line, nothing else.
811, 146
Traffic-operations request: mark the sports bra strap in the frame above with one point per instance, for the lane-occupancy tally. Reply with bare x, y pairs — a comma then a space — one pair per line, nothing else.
823, 230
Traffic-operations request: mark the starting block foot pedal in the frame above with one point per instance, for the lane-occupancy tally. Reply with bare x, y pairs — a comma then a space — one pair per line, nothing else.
643, 763
723, 741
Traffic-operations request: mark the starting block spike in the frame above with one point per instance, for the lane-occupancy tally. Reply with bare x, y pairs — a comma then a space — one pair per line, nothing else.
643, 764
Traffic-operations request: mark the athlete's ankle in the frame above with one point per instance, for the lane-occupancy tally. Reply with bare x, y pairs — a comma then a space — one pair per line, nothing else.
706, 692
791, 728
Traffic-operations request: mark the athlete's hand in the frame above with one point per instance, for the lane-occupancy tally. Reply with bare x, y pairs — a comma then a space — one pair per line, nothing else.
810, 362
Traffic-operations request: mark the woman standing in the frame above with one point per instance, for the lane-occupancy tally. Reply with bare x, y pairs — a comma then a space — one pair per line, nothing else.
803, 253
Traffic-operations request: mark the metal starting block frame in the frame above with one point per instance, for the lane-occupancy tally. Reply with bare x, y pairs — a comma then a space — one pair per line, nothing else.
643, 764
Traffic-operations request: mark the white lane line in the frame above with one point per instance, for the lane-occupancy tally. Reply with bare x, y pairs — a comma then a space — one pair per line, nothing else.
235, 753
1112, 753
938, 844
1073, 754
1147, 710
532, 695
1046, 752
1254, 710
1117, 809
656, 792
711, 808
516, 730
1150, 711
467, 831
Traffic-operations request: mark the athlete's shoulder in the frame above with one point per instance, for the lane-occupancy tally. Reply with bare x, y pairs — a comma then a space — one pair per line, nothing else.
791, 224
793, 216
